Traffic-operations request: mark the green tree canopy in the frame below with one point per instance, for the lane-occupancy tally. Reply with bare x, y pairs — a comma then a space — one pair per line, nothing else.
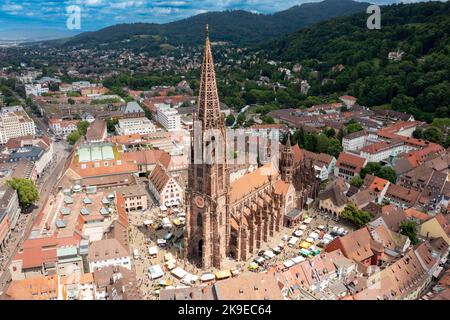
82, 127
229, 121
418, 133
111, 124
73, 137
370, 168
354, 127
358, 217
330, 132
409, 229
357, 181
433, 134
334, 147
387, 173
26, 190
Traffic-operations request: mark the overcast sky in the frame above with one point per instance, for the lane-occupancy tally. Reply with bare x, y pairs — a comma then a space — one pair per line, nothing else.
44, 19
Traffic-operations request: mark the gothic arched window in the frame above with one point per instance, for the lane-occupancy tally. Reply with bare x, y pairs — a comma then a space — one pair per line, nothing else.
199, 220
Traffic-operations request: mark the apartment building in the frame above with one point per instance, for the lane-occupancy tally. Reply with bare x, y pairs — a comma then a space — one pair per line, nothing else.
135, 197
15, 124
135, 126
62, 127
35, 89
168, 117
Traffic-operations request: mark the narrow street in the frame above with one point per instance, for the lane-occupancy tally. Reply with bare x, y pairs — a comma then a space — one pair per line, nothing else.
25, 223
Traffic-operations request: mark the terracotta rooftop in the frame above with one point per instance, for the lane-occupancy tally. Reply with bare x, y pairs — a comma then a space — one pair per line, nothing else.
251, 182
413, 213
350, 161
402, 194
159, 178
355, 245
257, 286
106, 249
96, 130
39, 288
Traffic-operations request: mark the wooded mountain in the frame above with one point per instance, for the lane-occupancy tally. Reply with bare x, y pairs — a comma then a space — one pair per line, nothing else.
418, 84
239, 27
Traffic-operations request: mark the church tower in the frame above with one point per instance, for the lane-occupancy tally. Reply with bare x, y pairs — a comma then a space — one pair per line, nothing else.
287, 161
206, 232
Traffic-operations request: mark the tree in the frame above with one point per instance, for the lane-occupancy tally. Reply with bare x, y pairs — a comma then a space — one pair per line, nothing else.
111, 124
71, 101
441, 123
387, 173
409, 229
330, 132
340, 134
334, 147
73, 137
82, 127
26, 191
300, 137
241, 118
370, 168
311, 142
433, 134
418, 133
354, 127
322, 143
267, 119
229, 121
357, 181
353, 214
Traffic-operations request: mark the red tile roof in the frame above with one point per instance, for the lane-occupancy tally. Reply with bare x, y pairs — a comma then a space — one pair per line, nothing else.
350, 161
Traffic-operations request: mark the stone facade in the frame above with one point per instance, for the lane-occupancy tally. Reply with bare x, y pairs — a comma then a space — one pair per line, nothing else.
233, 219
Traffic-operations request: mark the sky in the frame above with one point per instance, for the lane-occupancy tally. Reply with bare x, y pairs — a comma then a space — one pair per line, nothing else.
44, 19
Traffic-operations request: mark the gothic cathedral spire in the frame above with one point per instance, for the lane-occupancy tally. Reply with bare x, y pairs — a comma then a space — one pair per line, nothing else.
208, 99
287, 161
207, 219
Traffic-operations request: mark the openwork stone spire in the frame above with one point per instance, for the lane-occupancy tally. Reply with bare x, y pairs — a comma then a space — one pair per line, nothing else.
287, 161
208, 99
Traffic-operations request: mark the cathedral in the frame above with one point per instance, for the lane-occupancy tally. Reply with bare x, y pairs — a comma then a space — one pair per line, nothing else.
228, 218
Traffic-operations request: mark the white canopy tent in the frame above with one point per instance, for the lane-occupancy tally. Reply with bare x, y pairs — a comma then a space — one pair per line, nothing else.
207, 277
288, 263
155, 271
179, 273
189, 279
153, 251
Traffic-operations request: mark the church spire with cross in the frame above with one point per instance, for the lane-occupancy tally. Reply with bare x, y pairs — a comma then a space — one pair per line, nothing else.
208, 110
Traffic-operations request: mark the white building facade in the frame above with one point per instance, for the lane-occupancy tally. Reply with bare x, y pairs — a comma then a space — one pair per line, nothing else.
14, 125
35, 89
135, 126
169, 118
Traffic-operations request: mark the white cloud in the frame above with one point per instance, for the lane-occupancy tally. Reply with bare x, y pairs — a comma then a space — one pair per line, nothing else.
12, 8
127, 4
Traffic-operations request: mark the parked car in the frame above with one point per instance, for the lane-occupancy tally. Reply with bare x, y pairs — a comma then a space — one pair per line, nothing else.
293, 241
168, 236
276, 250
259, 260
297, 233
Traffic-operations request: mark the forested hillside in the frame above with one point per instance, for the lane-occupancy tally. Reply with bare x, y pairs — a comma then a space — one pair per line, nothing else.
237, 26
418, 84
